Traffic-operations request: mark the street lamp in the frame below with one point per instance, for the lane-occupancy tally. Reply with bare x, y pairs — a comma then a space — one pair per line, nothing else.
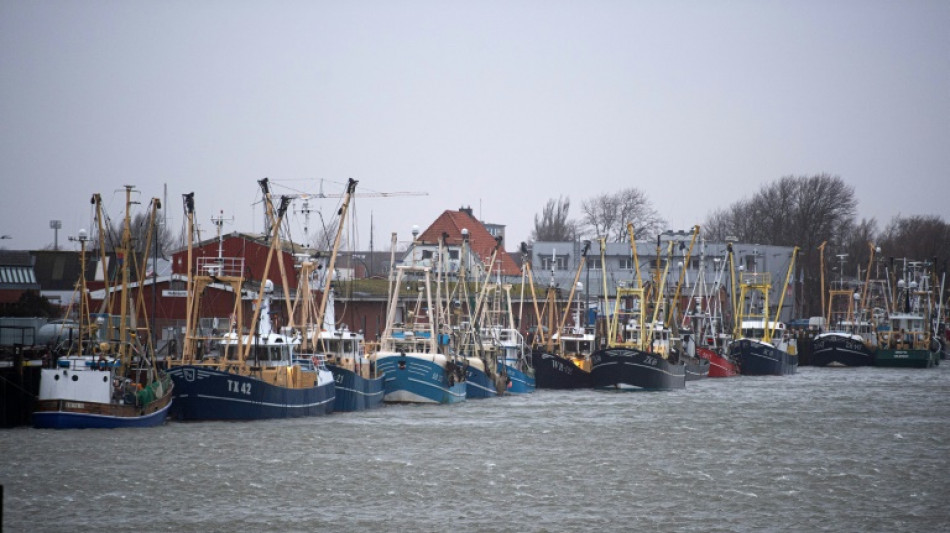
55, 225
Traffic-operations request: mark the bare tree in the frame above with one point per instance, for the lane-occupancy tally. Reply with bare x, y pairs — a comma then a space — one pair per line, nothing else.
923, 238
855, 240
733, 222
608, 214
138, 229
553, 223
799, 211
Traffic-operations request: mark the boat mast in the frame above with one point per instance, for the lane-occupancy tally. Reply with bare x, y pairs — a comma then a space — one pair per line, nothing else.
648, 342
140, 296
528, 273
321, 312
781, 300
570, 297
124, 342
188, 352
867, 278
674, 304
269, 210
275, 241
103, 260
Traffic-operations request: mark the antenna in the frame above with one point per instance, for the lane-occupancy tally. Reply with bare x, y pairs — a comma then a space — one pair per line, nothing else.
219, 221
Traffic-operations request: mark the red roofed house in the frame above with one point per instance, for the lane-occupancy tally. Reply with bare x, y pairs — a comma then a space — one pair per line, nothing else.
451, 225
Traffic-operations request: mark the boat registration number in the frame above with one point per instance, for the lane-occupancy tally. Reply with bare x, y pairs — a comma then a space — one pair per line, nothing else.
240, 388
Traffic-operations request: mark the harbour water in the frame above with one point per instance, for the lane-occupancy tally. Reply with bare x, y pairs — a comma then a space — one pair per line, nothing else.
861, 449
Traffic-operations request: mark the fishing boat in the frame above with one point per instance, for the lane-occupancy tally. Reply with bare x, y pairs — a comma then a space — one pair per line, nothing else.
906, 340
108, 377
514, 360
358, 384
248, 372
561, 358
761, 344
708, 334
639, 354
851, 339
415, 356
478, 343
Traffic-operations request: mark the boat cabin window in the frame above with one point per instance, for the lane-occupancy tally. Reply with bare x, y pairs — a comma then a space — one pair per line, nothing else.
576, 346
753, 333
270, 353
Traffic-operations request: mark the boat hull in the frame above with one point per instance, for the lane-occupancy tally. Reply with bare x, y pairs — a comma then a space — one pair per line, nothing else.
409, 379
67, 414
203, 393
906, 358
761, 359
519, 382
625, 368
720, 366
553, 372
697, 368
355, 392
478, 384
840, 350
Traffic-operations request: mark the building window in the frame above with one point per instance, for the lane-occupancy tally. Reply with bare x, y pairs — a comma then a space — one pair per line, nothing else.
626, 263
559, 262
593, 262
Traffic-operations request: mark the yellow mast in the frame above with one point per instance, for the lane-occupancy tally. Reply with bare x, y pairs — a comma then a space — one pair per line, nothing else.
781, 300
603, 276
675, 302
633, 249
526, 264
648, 341
821, 270
867, 278
613, 328
570, 298
736, 326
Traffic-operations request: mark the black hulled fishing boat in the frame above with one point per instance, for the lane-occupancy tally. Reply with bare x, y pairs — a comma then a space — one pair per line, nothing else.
561, 359
638, 355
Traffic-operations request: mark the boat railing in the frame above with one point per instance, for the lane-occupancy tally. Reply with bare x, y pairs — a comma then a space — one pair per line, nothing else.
756, 278
221, 266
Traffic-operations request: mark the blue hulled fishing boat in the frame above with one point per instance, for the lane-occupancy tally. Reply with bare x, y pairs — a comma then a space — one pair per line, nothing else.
238, 375
414, 359
358, 384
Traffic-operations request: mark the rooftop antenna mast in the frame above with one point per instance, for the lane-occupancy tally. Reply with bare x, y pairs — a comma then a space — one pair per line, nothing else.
219, 221
305, 211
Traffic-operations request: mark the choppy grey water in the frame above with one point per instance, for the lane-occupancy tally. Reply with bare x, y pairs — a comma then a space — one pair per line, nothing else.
825, 450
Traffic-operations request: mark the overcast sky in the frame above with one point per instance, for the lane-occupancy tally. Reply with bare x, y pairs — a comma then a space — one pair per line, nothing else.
497, 105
